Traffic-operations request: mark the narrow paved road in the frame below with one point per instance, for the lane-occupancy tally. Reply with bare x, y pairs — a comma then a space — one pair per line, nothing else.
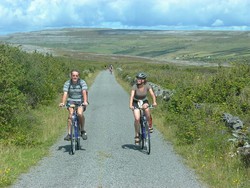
109, 158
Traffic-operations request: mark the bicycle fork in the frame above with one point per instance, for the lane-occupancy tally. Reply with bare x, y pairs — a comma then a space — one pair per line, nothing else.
143, 122
76, 132
145, 127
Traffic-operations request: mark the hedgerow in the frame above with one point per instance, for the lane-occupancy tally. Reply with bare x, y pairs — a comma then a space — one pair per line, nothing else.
28, 81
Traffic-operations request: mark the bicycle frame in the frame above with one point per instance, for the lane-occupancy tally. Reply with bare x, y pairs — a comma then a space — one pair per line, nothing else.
74, 130
144, 131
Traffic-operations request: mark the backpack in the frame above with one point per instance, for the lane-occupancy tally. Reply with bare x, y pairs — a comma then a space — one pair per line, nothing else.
78, 83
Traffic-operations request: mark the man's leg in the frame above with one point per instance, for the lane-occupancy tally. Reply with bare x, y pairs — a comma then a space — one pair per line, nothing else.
70, 110
82, 122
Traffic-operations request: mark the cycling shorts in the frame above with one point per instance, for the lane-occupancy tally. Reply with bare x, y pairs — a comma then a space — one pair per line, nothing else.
78, 103
135, 103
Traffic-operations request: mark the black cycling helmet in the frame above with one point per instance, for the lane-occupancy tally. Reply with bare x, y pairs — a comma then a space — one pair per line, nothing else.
141, 75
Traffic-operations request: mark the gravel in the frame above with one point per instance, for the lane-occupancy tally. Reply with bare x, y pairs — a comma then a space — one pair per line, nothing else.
109, 158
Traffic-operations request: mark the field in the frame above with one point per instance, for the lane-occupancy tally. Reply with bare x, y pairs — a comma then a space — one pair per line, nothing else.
179, 47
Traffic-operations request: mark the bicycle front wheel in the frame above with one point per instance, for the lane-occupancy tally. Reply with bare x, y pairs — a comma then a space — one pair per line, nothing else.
78, 141
142, 133
147, 139
77, 135
72, 140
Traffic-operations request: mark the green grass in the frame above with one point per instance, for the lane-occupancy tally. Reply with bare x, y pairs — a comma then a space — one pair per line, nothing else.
15, 160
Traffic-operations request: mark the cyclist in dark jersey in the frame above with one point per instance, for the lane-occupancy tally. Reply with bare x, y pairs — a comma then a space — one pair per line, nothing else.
110, 69
75, 92
139, 92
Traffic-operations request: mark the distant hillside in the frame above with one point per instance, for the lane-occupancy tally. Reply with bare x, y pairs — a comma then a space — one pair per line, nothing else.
160, 46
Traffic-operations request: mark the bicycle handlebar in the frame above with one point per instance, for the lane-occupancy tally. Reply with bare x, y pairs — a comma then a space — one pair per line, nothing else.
149, 106
72, 105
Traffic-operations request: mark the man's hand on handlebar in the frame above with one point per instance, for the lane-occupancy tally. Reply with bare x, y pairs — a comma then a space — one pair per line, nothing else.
61, 105
85, 104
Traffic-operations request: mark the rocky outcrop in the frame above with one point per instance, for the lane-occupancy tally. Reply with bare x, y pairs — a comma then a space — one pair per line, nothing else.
240, 138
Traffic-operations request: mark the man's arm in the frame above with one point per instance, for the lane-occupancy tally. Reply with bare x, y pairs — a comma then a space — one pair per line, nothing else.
64, 98
85, 97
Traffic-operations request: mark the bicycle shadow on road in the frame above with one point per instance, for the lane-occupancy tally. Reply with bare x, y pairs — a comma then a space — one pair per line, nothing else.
67, 148
131, 146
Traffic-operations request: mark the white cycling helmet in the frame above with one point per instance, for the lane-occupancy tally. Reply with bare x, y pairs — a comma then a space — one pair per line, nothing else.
141, 75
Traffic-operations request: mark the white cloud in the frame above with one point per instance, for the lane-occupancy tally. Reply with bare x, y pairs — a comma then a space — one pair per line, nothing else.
218, 23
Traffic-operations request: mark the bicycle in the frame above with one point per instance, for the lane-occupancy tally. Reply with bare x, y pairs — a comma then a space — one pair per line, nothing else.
144, 128
74, 130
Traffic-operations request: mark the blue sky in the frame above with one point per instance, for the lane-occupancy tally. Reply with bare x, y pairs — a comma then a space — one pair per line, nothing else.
32, 15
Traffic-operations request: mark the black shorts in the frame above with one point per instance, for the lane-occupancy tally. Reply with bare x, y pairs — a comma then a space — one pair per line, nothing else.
135, 103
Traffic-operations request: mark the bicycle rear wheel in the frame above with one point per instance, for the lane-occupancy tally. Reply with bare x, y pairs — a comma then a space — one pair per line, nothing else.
72, 140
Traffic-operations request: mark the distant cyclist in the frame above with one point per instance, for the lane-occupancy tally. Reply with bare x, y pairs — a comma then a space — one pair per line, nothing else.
110, 69
75, 92
139, 91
